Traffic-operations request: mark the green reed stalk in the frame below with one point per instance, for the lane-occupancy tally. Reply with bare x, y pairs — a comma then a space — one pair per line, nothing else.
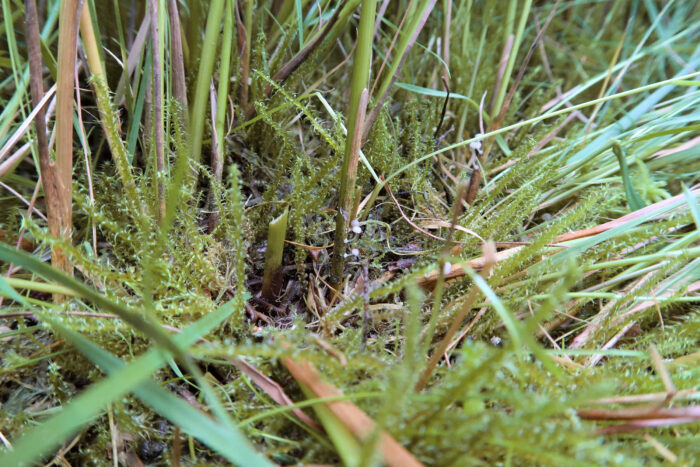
360, 81
199, 106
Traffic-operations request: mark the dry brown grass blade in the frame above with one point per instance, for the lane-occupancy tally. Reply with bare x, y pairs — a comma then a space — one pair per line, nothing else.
60, 214
642, 398
476, 176
354, 419
490, 260
158, 107
477, 263
272, 389
642, 424
177, 61
641, 413
654, 414
372, 115
244, 52
291, 66
48, 170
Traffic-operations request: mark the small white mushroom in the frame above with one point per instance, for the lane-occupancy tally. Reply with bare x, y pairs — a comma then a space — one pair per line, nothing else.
447, 267
476, 145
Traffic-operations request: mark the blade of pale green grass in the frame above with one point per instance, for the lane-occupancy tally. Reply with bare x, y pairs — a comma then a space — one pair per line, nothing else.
206, 67
539, 118
633, 199
693, 204
231, 444
300, 22
32, 446
133, 132
132, 376
605, 140
29, 262
515, 328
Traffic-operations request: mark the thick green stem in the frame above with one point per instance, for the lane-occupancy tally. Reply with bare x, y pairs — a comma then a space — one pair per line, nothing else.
199, 107
217, 164
358, 94
273, 257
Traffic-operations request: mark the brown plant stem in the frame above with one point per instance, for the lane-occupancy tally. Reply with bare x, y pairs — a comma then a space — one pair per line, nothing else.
346, 192
61, 212
476, 176
158, 107
177, 61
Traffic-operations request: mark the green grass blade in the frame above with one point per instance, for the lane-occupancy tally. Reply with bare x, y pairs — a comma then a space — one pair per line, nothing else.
633, 199
231, 444
153, 331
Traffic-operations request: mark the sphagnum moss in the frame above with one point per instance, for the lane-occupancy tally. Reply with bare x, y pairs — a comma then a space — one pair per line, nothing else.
583, 280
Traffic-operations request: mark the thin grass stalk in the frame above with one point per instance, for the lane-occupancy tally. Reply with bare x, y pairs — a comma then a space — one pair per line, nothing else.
158, 107
221, 105
517, 41
247, 27
177, 62
206, 66
67, 47
49, 172
356, 122
489, 254
48, 169
109, 119
408, 38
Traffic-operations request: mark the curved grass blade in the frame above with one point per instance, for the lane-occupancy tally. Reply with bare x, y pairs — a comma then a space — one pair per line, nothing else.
230, 444
29, 262
633, 199
126, 378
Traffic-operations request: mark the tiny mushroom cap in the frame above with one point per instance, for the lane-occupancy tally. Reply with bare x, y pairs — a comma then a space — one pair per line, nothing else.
447, 267
476, 145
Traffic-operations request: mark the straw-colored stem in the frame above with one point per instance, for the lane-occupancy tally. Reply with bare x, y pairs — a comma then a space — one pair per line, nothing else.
158, 106
177, 61
67, 43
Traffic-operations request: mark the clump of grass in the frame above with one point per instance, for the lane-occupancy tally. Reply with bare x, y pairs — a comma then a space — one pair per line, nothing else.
358, 232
